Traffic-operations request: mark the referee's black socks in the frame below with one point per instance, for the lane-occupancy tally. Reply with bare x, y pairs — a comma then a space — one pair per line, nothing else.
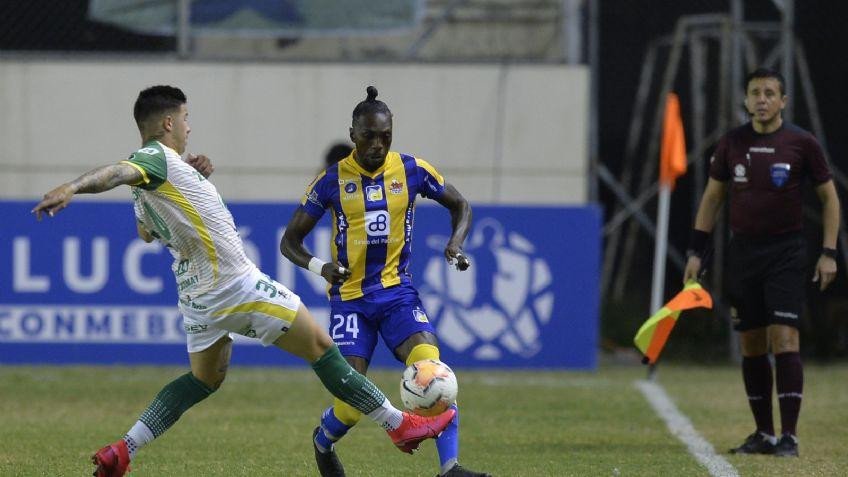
756, 373
790, 389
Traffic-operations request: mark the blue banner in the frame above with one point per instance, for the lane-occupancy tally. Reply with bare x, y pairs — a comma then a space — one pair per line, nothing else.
81, 287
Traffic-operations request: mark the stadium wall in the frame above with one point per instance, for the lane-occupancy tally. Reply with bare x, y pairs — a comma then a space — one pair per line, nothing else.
503, 134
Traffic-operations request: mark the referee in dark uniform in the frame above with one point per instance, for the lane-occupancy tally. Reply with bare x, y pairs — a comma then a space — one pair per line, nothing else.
764, 164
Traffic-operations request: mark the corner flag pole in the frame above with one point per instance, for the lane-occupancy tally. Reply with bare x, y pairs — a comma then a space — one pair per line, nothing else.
660, 247
672, 165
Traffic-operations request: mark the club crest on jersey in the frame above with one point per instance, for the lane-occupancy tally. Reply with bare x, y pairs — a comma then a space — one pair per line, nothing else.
350, 188
374, 193
780, 173
739, 173
420, 316
396, 187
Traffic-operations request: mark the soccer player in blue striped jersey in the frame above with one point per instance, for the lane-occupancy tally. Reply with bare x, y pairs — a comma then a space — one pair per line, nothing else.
221, 291
371, 196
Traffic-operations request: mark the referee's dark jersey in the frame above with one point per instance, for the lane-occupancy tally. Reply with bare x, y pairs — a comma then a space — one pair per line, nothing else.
767, 269
766, 172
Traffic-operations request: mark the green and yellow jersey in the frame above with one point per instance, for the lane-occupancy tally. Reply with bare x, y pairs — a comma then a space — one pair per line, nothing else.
183, 210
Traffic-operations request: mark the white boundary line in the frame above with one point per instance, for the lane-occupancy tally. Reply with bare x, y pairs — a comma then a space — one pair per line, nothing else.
681, 427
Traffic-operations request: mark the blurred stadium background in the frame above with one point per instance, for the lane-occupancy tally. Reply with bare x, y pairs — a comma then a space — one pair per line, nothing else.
543, 113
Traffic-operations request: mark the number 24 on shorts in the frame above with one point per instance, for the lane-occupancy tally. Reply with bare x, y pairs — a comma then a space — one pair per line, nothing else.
342, 324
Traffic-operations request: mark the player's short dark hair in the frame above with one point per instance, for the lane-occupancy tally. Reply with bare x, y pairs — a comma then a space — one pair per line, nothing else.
763, 72
370, 105
157, 100
336, 153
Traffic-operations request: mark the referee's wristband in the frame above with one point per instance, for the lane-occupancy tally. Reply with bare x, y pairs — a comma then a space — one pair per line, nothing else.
316, 265
829, 252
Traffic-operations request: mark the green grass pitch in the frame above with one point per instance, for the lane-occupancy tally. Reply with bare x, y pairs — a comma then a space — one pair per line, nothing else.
513, 423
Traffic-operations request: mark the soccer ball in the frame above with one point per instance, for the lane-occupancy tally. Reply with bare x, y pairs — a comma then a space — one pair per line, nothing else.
428, 387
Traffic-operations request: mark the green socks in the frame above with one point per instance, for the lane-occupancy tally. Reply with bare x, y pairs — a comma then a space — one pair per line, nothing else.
345, 383
335, 373
172, 401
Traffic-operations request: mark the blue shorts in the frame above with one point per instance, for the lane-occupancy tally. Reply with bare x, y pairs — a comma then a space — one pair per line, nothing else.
396, 312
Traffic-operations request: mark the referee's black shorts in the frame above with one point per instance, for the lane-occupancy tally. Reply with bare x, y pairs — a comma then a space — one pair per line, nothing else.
767, 280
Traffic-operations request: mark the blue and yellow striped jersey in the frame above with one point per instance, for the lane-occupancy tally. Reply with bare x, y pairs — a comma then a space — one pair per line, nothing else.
372, 218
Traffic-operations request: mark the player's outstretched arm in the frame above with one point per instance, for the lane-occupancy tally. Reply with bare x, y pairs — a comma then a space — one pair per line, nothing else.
460, 212
92, 182
291, 246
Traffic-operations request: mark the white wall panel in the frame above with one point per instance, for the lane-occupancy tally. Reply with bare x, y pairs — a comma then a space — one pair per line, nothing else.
267, 126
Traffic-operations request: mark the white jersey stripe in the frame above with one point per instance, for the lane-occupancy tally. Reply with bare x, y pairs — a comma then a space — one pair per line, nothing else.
170, 192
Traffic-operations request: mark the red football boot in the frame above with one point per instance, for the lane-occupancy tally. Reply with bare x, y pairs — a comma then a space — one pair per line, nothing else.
415, 429
112, 460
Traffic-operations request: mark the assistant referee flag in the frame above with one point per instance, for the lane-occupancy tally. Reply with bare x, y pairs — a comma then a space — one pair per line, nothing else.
653, 334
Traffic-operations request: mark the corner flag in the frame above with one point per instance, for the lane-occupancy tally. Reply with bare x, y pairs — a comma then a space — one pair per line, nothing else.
673, 145
653, 334
672, 165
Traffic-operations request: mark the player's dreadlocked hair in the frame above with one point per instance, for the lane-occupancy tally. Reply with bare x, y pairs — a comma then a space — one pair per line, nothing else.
370, 105
157, 100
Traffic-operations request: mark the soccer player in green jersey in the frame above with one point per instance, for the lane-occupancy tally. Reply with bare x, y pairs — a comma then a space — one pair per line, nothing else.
220, 290
371, 195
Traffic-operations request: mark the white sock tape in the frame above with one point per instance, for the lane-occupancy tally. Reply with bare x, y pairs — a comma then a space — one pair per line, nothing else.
316, 265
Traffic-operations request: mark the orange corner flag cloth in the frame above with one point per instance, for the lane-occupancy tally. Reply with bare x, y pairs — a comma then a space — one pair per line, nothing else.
653, 334
673, 144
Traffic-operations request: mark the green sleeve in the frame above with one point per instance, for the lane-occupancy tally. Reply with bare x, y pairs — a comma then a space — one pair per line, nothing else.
150, 161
